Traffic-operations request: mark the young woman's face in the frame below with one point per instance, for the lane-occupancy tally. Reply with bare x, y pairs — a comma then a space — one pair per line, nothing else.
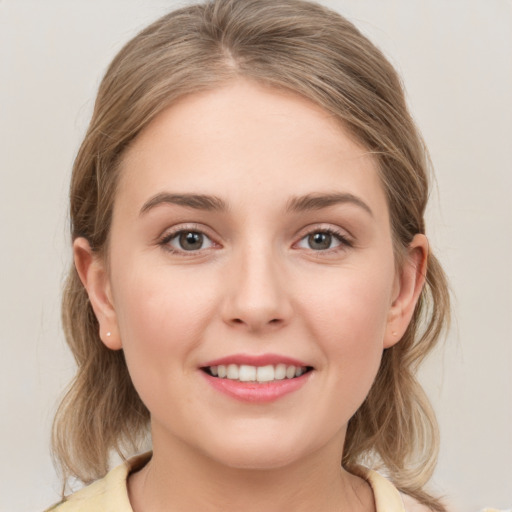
251, 237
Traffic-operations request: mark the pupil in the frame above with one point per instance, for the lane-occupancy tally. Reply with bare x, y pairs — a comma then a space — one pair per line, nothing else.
191, 240
320, 241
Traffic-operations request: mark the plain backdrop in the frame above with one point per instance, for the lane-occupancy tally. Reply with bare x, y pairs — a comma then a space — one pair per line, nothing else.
455, 57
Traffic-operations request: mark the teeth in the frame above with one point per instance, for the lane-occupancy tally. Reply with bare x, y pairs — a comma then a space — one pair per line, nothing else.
247, 373
265, 373
280, 372
232, 372
290, 372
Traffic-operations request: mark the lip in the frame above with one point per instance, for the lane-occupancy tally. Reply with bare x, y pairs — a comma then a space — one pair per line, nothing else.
254, 392
255, 360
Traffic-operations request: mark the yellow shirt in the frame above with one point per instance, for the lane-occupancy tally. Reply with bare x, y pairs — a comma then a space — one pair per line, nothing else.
110, 493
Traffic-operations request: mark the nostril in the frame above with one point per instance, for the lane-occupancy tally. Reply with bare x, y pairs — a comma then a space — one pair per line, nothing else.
239, 321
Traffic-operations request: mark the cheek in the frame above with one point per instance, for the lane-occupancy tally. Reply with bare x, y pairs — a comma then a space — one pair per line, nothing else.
347, 317
161, 317
349, 308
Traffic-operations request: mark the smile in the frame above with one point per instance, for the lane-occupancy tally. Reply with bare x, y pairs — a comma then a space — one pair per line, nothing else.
256, 379
249, 373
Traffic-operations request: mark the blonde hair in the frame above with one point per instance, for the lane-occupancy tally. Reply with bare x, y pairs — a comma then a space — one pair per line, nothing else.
313, 51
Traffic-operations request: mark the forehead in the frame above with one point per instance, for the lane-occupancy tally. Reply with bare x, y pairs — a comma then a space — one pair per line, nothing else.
245, 141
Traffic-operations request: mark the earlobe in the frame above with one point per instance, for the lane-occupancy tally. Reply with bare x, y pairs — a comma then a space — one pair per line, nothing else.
410, 283
94, 276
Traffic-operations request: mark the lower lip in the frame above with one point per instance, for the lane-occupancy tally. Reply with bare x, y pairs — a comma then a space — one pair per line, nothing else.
257, 392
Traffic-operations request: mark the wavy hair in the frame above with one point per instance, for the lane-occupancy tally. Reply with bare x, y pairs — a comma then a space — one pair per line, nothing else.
288, 44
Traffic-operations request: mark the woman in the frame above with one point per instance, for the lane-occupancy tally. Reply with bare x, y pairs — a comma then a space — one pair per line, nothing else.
252, 283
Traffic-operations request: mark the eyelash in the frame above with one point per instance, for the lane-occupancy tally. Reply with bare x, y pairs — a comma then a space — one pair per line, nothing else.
164, 241
341, 237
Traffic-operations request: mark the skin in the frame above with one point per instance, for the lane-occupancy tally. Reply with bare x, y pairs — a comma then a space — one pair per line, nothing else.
257, 285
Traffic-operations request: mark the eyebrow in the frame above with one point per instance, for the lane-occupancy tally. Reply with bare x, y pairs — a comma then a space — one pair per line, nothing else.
320, 201
195, 201
213, 203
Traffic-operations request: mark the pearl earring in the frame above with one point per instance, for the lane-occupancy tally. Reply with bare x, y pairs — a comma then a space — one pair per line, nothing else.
109, 334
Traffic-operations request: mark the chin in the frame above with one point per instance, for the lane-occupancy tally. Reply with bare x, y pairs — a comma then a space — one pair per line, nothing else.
260, 452
258, 460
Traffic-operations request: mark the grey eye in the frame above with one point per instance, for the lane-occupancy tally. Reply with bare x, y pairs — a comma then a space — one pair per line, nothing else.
190, 241
320, 241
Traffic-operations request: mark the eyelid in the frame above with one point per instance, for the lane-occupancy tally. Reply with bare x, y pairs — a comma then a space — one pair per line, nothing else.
346, 240
170, 233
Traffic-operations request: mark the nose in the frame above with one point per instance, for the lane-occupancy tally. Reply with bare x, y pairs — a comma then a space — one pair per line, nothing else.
258, 292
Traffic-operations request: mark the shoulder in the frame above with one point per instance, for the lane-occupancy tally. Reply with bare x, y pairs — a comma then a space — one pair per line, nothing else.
109, 494
105, 495
412, 505
387, 497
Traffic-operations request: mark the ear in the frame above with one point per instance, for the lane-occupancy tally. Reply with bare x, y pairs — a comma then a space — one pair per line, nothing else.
409, 284
94, 276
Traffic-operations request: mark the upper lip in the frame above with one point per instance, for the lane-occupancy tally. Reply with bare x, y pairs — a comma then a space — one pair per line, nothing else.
255, 360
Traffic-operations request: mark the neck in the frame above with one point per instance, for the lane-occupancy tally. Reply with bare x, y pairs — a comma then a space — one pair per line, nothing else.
179, 479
